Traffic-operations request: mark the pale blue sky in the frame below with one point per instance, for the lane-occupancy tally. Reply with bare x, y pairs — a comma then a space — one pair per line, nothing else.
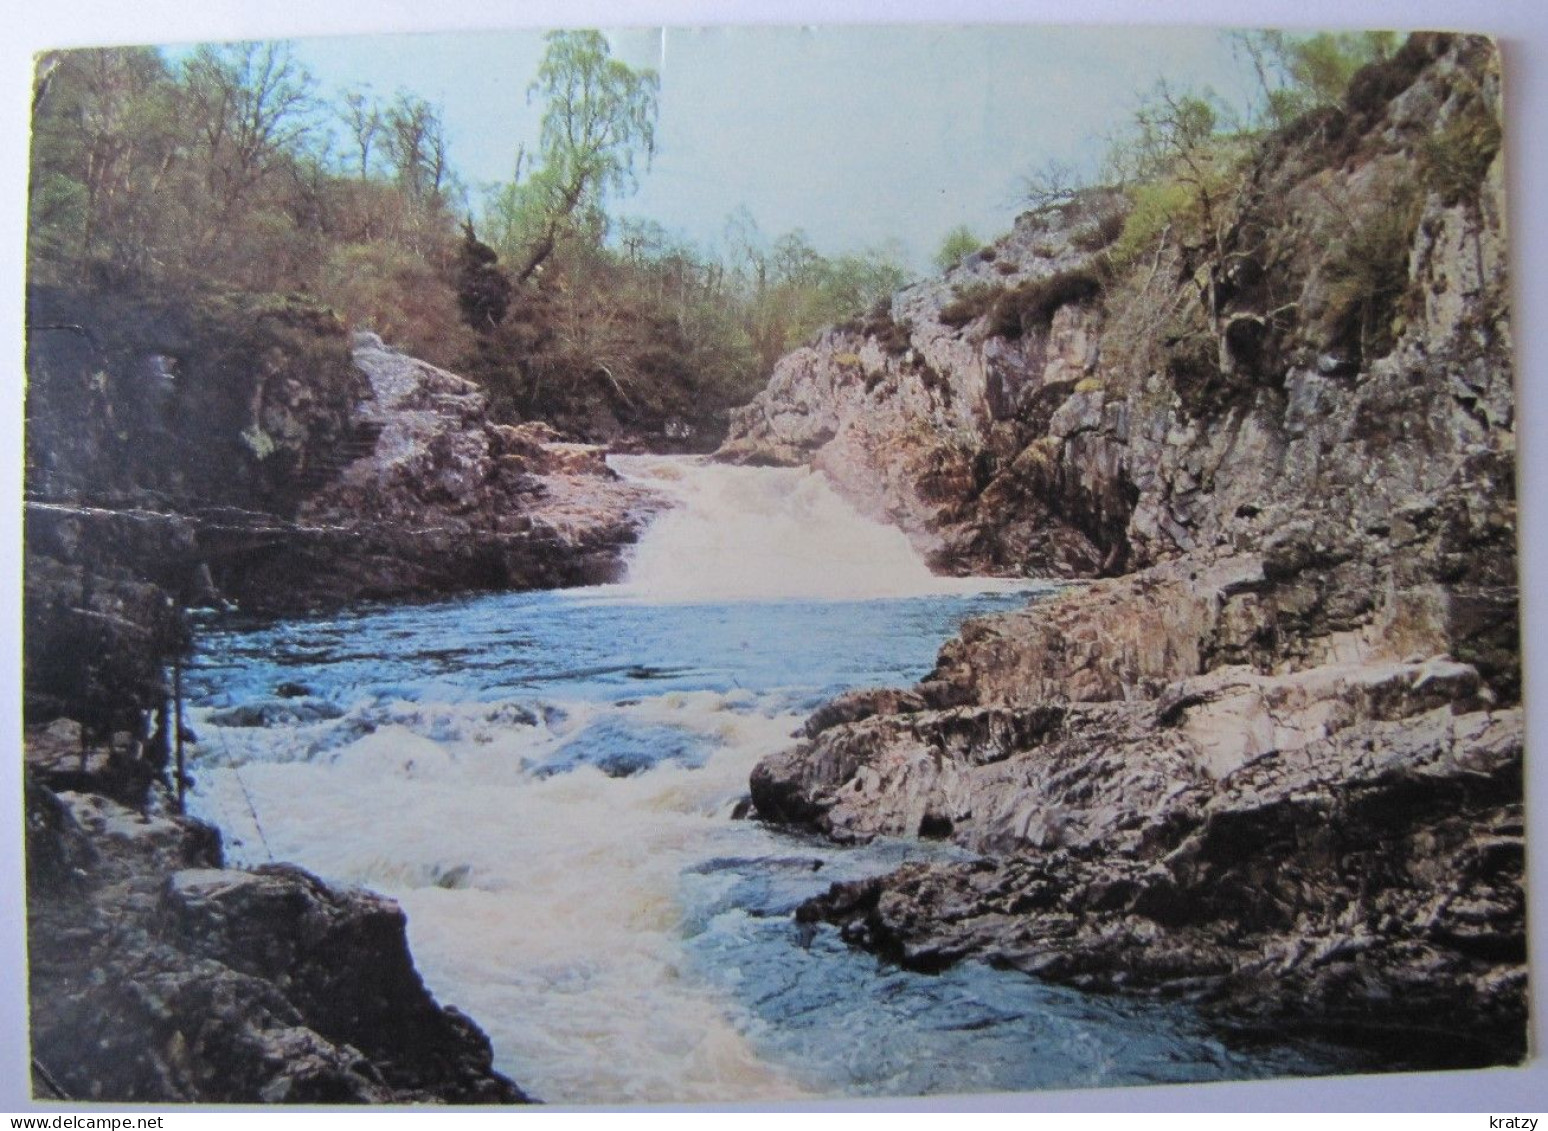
854, 134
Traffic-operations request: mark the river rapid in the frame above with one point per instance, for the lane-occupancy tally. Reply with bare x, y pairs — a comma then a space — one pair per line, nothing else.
547, 783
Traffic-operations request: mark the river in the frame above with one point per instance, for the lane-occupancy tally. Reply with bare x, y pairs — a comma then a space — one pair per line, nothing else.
547, 783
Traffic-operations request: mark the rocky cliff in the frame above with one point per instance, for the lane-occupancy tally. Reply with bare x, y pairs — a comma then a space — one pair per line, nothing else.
1274, 763
194, 450
185, 451
433, 498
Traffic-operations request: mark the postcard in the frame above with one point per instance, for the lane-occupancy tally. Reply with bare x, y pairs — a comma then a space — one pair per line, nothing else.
759, 564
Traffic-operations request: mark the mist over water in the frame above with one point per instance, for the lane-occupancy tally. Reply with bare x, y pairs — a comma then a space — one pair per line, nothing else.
545, 782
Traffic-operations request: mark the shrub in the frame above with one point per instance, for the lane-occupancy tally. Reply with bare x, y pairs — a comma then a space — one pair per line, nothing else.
957, 245
893, 336
1156, 205
1367, 271
1031, 305
1101, 232
411, 304
970, 302
1457, 159
1378, 83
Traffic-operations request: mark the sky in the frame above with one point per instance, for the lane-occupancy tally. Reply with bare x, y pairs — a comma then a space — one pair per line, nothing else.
856, 135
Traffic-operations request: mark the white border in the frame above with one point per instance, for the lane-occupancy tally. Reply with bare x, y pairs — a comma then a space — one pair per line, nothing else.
1522, 25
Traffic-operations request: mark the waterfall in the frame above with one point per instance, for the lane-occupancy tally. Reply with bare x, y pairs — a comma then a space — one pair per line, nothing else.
546, 782
768, 534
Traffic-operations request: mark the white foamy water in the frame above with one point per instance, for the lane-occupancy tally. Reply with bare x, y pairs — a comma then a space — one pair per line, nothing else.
546, 782
769, 534
547, 908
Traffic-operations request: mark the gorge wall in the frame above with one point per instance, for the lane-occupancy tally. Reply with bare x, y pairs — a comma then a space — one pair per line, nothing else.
241, 450
217, 449
1273, 762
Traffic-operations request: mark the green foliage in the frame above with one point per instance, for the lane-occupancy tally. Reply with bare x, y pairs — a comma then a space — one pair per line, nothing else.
149, 178
106, 136
646, 329
1156, 207
600, 115
1457, 159
227, 172
957, 245
1325, 62
1181, 155
1179, 163
787, 291
1298, 73
857, 282
599, 121
1172, 134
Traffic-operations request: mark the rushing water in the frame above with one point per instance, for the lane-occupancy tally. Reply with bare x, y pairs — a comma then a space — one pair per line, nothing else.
546, 782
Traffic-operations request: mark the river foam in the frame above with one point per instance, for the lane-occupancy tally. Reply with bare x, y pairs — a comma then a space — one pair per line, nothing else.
545, 905
769, 534
546, 783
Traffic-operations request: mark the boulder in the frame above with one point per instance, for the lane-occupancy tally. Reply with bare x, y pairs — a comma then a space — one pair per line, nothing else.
159, 976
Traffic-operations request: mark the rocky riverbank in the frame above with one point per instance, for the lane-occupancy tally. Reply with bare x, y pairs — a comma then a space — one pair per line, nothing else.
1337, 848
241, 451
158, 975
1275, 766
438, 499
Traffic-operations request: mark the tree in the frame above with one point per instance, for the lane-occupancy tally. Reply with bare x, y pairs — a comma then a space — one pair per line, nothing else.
416, 145
104, 146
600, 119
483, 291
1297, 73
362, 118
958, 244
1053, 184
248, 103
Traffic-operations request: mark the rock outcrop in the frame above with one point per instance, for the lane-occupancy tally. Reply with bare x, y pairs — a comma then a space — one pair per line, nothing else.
287, 469
193, 452
439, 499
1336, 847
188, 451
159, 976
1274, 767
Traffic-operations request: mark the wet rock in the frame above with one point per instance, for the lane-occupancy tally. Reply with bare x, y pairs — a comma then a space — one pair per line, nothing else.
159, 976
855, 705
99, 630
1245, 900
1275, 766
285, 711
439, 499
60, 856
